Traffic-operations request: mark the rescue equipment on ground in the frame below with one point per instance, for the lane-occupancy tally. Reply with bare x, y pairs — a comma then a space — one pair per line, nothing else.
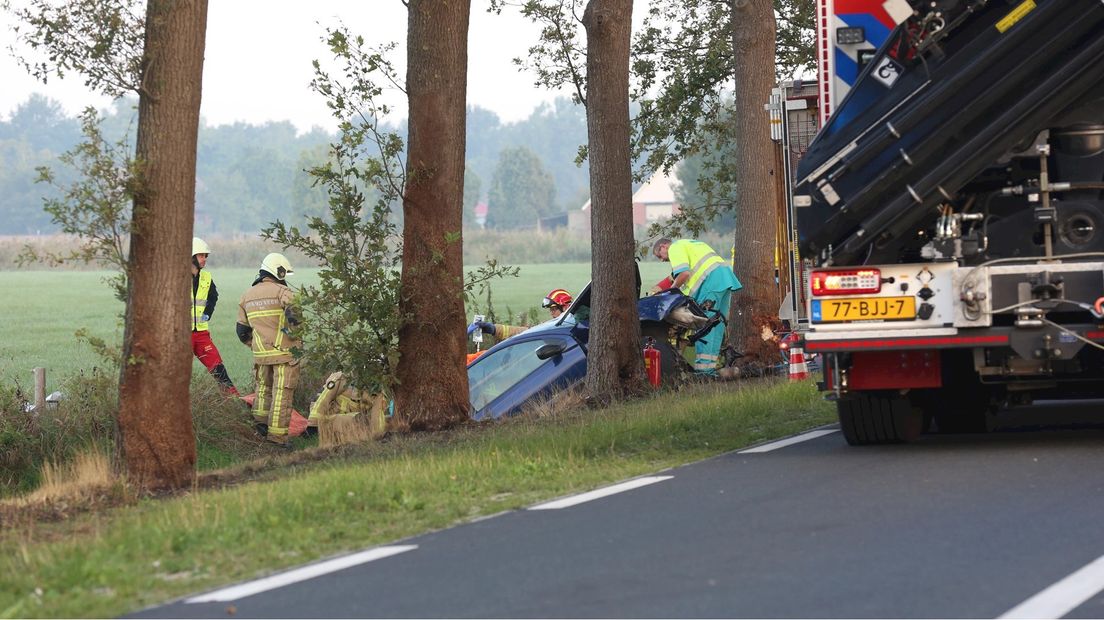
338, 398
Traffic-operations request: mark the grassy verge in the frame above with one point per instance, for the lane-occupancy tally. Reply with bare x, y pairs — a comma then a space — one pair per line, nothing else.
127, 558
85, 421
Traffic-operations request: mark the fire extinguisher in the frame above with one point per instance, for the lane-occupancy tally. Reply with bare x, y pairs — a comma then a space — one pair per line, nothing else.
651, 362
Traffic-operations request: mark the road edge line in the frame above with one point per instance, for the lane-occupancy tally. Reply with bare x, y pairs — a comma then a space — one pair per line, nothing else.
574, 500
1063, 596
296, 575
789, 441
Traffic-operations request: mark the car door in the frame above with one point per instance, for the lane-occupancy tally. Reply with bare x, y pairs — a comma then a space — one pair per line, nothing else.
511, 374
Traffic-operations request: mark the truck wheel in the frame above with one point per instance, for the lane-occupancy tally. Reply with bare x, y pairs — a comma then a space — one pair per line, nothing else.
868, 418
964, 412
963, 403
671, 364
954, 409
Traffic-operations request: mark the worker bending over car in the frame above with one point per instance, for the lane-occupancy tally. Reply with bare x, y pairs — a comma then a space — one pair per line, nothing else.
706, 277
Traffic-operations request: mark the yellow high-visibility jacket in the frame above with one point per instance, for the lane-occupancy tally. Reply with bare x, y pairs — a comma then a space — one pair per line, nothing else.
696, 257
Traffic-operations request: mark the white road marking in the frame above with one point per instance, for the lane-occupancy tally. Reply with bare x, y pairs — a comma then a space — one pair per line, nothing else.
1064, 596
599, 493
782, 443
272, 582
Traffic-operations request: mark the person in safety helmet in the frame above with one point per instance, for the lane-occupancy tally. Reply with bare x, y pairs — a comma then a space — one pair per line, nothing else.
556, 302
267, 317
700, 273
204, 298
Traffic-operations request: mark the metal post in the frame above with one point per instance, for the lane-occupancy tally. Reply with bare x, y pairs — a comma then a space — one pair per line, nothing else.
791, 227
40, 388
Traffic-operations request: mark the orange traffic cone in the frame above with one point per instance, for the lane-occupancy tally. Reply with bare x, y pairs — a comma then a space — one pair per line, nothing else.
799, 370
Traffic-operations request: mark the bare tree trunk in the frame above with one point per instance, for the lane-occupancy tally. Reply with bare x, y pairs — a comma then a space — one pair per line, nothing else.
615, 367
433, 384
754, 312
156, 438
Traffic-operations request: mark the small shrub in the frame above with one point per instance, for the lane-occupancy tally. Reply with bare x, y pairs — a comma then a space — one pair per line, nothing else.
51, 439
84, 419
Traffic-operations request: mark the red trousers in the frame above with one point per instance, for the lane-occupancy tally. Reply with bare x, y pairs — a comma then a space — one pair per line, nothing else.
208, 354
205, 349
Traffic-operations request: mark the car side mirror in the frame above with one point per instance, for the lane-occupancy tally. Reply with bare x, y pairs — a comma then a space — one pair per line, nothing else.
552, 349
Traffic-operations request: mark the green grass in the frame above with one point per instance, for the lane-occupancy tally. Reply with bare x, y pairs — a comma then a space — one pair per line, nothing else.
54, 304
111, 563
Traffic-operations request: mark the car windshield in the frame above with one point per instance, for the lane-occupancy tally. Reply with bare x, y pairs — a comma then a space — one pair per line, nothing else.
501, 370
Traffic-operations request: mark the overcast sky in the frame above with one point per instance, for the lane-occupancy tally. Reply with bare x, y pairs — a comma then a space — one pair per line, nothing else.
259, 53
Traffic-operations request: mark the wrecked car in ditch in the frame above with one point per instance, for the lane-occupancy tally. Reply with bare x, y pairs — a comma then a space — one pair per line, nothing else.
552, 356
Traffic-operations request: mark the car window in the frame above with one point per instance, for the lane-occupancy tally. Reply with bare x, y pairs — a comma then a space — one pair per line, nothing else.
504, 368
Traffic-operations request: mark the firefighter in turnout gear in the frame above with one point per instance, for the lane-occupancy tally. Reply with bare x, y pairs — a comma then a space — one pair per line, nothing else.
204, 298
266, 320
556, 302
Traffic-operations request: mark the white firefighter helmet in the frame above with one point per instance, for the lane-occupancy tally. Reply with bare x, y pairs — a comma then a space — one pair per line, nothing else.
199, 246
277, 264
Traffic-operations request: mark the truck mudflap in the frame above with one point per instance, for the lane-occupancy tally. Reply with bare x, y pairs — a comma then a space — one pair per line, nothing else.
895, 370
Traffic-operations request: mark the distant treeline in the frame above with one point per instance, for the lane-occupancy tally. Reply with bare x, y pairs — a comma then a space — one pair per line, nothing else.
251, 175
510, 247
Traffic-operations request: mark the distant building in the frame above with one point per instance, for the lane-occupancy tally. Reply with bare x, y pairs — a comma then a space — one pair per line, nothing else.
480, 212
552, 222
654, 201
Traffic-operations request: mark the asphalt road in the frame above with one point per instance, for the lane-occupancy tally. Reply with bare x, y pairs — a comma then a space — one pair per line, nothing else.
951, 526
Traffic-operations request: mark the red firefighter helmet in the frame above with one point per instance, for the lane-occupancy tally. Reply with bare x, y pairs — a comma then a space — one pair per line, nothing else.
558, 297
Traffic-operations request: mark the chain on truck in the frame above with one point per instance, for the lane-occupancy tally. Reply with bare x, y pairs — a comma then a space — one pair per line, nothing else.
950, 211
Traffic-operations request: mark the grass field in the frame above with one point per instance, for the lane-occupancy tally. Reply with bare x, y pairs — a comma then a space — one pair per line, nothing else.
38, 330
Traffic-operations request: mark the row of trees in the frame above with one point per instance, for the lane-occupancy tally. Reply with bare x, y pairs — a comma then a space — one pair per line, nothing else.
249, 175
370, 167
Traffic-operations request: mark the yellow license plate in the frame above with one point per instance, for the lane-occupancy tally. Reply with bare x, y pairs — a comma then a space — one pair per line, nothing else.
864, 309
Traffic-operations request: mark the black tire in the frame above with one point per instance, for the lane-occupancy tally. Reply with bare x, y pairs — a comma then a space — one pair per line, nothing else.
963, 411
671, 365
963, 404
870, 418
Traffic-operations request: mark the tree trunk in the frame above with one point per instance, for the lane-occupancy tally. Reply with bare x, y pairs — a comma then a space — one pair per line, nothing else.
754, 313
433, 384
615, 365
156, 441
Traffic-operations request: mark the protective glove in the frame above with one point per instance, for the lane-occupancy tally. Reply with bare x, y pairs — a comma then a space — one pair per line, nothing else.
204, 318
484, 326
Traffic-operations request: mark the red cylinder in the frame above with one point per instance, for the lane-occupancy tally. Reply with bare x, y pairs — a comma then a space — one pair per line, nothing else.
651, 364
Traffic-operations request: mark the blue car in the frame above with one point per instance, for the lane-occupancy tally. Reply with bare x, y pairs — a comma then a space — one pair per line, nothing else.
552, 356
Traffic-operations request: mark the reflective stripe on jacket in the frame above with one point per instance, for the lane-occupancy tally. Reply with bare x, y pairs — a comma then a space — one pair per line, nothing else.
199, 302
264, 309
695, 256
